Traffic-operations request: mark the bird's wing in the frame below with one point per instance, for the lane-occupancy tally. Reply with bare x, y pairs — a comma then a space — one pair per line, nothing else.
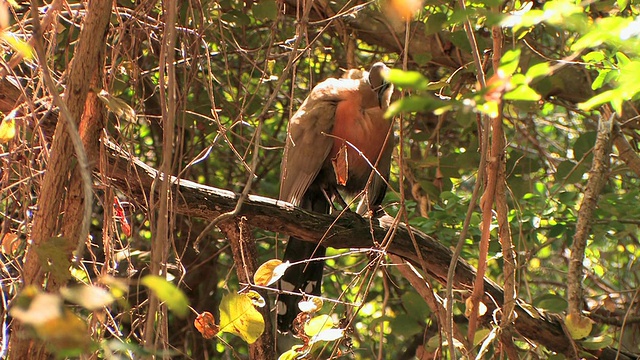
307, 146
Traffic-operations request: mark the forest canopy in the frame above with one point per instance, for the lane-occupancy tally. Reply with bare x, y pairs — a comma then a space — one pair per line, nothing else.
141, 156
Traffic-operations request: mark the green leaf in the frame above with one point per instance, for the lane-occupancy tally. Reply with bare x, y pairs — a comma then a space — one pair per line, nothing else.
54, 256
415, 306
435, 22
597, 342
601, 78
236, 18
238, 316
584, 144
551, 302
570, 172
538, 70
509, 61
415, 104
408, 79
404, 325
7, 128
594, 56
622, 59
598, 100
265, 9
332, 334
522, 93
422, 58
168, 293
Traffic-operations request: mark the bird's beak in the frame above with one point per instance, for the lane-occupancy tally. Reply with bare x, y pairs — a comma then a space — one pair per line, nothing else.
381, 92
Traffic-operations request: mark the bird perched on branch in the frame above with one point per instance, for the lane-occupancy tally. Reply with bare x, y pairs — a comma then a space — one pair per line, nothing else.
336, 140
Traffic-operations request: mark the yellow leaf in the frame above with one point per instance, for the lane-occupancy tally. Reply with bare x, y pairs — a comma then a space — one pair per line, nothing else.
579, 326
8, 127
310, 306
292, 354
18, 45
318, 324
238, 316
256, 299
269, 272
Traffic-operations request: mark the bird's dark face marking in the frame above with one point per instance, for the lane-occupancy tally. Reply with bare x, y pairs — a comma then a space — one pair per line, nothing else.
379, 84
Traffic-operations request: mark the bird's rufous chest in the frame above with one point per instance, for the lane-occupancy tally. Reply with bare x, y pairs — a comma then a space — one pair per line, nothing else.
362, 133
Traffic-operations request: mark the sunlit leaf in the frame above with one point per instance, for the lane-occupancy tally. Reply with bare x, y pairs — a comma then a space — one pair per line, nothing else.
340, 163
292, 354
413, 104
206, 325
329, 335
538, 70
579, 326
256, 299
20, 46
90, 297
238, 316
522, 93
482, 308
598, 100
167, 293
509, 61
594, 56
408, 79
310, 306
318, 324
8, 127
597, 343
266, 273
43, 307
68, 332
10, 244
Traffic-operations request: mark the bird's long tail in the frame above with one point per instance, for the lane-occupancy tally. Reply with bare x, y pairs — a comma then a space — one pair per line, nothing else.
305, 277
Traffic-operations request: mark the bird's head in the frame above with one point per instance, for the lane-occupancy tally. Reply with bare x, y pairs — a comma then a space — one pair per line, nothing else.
379, 84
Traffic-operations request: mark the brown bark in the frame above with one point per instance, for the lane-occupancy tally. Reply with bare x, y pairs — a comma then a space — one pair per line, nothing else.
597, 179
87, 58
91, 127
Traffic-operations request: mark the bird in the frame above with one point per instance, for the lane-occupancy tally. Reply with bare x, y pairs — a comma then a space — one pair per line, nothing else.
334, 140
